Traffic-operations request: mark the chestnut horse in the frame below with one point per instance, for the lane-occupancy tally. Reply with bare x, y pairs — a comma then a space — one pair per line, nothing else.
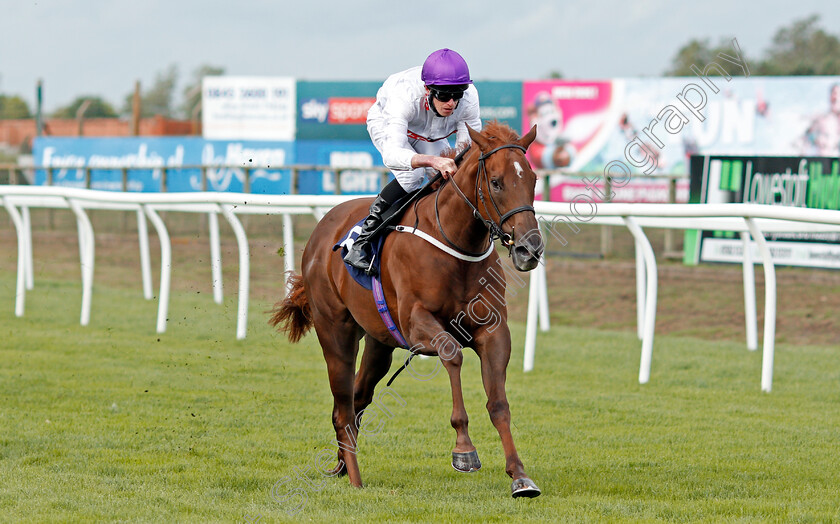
440, 301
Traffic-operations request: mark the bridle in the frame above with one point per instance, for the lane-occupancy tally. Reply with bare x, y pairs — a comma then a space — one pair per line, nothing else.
495, 228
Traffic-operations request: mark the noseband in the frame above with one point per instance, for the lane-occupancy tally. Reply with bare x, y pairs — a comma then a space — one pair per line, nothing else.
495, 228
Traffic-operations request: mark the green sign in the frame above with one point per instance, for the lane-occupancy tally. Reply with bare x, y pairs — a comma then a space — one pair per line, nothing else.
805, 182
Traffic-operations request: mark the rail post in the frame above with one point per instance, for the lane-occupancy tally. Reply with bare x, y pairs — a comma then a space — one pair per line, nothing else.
293, 183
606, 231
124, 214
546, 192
668, 248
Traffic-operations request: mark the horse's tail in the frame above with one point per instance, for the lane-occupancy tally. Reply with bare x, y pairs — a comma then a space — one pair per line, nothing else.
293, 315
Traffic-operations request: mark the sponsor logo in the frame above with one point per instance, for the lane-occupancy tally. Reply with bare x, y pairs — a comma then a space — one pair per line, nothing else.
314, 109
349, 110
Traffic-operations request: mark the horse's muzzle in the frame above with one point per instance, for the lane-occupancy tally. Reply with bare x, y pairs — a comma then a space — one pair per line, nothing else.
527, 251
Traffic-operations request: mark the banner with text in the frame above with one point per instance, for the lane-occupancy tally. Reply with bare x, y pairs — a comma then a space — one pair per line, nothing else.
252, 108
812, 182
338, 110
145, 158
334, 110
352, 159
653, 125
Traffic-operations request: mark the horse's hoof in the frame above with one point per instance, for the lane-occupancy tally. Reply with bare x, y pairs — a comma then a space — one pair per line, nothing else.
525, 487
466, 462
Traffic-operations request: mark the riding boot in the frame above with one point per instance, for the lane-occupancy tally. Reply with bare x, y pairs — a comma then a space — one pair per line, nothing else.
360, 254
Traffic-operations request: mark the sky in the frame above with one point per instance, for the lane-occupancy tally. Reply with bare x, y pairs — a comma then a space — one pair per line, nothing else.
101, 47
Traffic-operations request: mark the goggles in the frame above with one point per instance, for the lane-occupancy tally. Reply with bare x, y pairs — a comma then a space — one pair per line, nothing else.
446, 96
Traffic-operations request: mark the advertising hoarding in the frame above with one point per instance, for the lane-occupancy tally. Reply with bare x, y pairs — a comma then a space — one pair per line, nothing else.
248, 108
145, 158
653, 125
334, 110
812, 182
356, 157
501, 101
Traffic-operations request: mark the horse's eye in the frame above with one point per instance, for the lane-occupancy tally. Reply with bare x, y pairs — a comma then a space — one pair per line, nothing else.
495, 184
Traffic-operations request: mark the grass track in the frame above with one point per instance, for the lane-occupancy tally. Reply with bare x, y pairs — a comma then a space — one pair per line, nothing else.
114, 422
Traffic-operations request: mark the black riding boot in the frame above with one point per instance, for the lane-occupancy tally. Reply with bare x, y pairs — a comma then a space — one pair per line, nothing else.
360, 253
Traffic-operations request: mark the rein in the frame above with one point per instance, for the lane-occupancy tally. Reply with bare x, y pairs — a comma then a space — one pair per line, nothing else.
495, 228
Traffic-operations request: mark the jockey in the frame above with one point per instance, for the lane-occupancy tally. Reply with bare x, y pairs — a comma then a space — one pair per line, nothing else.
415, 112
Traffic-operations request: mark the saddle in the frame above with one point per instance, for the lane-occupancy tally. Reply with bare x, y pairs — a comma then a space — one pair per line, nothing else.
346, 242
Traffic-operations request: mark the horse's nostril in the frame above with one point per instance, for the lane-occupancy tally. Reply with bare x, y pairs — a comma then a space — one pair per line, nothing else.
531, 246
525, 253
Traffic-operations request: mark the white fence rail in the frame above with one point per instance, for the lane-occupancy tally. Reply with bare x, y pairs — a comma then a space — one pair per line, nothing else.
19, 199
747, 219
750, 220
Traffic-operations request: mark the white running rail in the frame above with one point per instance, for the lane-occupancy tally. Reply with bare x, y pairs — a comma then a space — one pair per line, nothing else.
17, 200
751, 220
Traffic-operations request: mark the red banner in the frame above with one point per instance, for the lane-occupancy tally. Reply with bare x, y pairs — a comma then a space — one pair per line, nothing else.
349, 110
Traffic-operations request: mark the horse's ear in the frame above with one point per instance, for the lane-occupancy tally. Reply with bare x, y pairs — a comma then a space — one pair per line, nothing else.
526, 140
477, 138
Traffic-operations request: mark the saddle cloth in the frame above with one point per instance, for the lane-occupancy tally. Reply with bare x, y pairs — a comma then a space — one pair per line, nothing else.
347, 241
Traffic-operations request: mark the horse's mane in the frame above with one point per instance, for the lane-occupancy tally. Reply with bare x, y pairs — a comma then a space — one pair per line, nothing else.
499, 130
492, 129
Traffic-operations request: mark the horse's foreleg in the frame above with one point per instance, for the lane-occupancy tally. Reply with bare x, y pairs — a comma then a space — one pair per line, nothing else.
429, 337
494, 356
464, 455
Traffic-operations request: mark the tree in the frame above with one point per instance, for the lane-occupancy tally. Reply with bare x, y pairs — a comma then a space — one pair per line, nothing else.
13, 107
157, 100
97, 108
192, 92
698, 53
802, 49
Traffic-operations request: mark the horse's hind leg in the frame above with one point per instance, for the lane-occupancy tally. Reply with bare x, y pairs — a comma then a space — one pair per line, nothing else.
339, 343
376, 361
464, 455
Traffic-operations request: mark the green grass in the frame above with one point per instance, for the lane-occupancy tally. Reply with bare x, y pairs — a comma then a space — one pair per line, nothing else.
113, 422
